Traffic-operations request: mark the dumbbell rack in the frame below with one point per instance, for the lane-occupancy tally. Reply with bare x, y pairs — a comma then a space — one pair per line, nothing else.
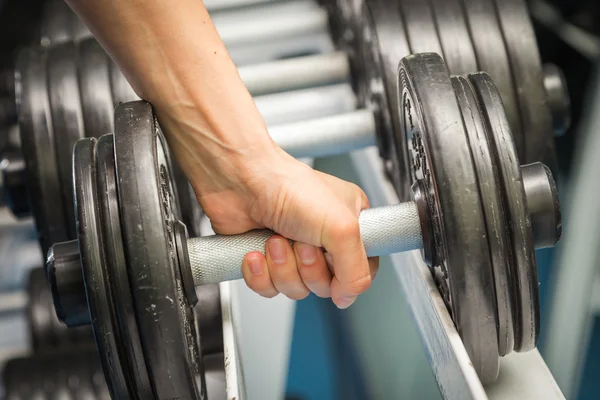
448, 356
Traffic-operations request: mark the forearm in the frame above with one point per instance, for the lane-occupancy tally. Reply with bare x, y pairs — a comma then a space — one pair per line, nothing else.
172, 55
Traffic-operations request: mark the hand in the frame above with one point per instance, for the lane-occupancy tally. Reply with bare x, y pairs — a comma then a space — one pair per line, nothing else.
263, 187
315, 210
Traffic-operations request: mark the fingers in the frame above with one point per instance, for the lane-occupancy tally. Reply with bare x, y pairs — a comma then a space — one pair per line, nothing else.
313, 269
284, 273
256, 275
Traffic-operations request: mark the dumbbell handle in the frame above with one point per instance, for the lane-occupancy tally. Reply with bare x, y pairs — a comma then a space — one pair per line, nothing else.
384, 230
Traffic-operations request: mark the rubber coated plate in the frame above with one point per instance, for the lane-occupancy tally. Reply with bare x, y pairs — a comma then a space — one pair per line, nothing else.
129, 340
525, 270
37, 145
492, 58
442, 162
527, 73
382, 45
420, 26
94, 81
489, 189
454, 36
97, 285
47, 332
146, 198
67, 120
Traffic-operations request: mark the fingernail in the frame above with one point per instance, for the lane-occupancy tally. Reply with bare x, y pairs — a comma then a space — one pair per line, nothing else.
307, 253
277, 250
255, 265
345, 302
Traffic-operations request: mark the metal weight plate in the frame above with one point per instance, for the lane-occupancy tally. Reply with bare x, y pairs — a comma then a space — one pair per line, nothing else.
441, 159
524, 272
454, 36
493, 59
67, 119
382, 45
94, 81
37, 145
526, 65
420, 27
124, 311
489, 189
147, 201
97, 284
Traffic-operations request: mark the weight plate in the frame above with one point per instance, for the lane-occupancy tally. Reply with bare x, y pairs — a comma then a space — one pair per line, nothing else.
524, 58
147, 201
120, 88
37, 145
489, 189
67, 119
420, 27
94, 81
116, 275
442, 160
524, 274
47, 333
382, 45
454, 36
97, 284
493, 59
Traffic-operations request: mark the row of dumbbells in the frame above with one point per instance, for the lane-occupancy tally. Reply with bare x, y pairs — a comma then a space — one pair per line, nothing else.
319, 105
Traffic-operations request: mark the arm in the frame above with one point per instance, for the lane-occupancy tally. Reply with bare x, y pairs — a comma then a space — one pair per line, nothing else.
172, 55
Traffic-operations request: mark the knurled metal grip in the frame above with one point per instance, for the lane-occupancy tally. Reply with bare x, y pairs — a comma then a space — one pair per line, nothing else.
384, 230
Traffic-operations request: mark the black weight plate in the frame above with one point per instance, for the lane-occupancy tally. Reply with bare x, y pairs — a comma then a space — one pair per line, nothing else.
526, 65
122, 91
124, 312
454, 36
37, 145
524, 274
67, 119
94, 81
146, 199
209, 318
443, 165
97, 285
420, 26
493, 59
382, 45
47, 332
489, 189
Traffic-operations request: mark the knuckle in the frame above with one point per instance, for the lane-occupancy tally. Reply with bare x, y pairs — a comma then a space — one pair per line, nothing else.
359, 285
347, 228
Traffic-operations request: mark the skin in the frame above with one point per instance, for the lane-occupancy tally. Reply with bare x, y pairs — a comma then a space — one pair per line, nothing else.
173, 57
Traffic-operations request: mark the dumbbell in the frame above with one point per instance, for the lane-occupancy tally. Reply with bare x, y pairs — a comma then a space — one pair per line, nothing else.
476, 216
48, 334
